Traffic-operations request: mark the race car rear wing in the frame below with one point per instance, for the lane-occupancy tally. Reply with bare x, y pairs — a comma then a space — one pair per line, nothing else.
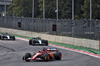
52, 50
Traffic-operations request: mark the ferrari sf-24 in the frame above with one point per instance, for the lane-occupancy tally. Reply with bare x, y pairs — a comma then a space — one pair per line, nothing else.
45, 55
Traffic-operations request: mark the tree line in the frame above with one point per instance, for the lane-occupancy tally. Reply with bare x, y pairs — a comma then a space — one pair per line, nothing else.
82, 9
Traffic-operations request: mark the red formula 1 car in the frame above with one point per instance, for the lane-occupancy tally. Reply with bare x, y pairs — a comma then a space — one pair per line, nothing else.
45, 54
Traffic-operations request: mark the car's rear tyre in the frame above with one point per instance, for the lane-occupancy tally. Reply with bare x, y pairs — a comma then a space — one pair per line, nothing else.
0, 36
58, 55
46, 43
27, 55
13, 38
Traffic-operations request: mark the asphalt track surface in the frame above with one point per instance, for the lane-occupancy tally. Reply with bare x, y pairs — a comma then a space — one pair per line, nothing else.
11, 53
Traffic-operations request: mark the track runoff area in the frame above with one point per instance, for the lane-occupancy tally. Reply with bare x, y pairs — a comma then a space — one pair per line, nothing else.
74, 50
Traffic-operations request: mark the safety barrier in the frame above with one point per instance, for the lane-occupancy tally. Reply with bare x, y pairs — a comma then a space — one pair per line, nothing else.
94, 44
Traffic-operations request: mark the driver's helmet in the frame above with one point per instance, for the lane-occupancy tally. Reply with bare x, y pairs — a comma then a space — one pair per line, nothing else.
44, 49
6, 33
38, 38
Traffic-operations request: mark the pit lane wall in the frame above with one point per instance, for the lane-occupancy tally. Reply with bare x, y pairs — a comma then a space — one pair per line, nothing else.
61, 39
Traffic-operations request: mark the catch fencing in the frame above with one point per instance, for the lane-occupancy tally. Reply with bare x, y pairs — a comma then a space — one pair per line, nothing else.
89, 29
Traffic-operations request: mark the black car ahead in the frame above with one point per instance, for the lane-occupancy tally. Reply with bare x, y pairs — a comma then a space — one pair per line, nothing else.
6, 36
38, 42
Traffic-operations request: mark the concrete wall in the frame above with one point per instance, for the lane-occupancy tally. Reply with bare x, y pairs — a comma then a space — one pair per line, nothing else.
61, 39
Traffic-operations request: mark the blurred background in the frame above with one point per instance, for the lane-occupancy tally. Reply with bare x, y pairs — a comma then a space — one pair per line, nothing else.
74, 18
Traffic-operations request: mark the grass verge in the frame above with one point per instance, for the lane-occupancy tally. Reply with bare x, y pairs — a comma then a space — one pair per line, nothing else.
68, 46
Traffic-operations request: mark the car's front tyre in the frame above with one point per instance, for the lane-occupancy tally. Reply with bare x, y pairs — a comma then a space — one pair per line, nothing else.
30, 42
27, 55
0, 36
